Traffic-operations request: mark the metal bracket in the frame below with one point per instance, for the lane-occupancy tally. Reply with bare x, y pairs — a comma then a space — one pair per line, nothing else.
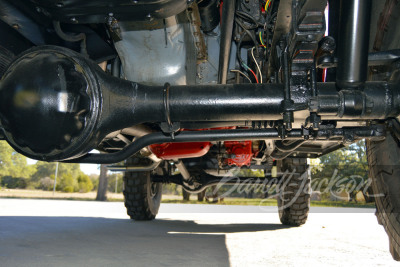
381, 58
287, 102
168, 126
113, 26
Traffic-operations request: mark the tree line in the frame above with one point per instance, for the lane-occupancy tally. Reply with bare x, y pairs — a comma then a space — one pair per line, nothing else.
15, 172
345, 169
347, 163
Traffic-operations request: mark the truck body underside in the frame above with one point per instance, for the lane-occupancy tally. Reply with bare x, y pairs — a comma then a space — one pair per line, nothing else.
217, 84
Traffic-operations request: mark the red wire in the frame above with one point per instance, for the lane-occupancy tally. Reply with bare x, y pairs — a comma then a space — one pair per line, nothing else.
255, 76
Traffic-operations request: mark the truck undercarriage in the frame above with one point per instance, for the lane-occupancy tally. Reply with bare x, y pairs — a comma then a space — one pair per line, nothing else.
204, 87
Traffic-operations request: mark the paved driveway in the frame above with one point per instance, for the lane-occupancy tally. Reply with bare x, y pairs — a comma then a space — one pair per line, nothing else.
77, 233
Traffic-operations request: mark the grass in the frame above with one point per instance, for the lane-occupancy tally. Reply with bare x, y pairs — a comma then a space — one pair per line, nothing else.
228, 201
38, 194
273, 202
341, 204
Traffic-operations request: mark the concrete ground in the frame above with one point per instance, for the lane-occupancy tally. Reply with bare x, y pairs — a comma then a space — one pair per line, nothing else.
77, 233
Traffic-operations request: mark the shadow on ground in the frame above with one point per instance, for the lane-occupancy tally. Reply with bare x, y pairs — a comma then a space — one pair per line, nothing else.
81, 241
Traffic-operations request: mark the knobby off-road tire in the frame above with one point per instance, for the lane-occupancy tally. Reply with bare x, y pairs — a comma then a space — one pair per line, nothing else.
142, 196
185, 195
384, 157
384, 170
294, 192
201, 195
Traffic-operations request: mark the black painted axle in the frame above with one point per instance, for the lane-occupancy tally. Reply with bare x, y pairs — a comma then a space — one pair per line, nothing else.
57, 105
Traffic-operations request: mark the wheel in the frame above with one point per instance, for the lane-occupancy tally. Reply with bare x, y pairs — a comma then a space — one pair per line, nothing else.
185, 194
384, 170
384, 157
201, 195
294, 192
142, 196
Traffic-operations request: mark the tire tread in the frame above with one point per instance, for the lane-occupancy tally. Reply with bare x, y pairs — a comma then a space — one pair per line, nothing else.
136, 197
297, 213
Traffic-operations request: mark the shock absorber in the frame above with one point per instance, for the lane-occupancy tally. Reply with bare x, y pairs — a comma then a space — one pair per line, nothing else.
355, 17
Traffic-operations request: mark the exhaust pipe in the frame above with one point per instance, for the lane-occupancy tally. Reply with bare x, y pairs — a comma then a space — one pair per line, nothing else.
56, 104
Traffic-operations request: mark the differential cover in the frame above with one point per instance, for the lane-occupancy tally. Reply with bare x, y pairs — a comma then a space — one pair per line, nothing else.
46, 104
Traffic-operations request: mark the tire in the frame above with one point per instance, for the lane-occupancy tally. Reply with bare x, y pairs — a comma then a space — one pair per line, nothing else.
142, 196
294, 192
384, 170
384, 157
201, 195
185, 194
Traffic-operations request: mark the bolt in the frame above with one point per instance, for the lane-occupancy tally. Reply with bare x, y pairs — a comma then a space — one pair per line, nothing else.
74, 20
38, 9
149, 17
15, 26
328, 44
288, 126
369, 106
59, 5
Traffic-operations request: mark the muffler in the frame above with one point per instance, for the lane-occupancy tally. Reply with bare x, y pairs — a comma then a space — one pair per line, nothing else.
56, 104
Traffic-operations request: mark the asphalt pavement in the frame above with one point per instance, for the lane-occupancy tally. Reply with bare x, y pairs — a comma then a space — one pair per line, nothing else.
78, 233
